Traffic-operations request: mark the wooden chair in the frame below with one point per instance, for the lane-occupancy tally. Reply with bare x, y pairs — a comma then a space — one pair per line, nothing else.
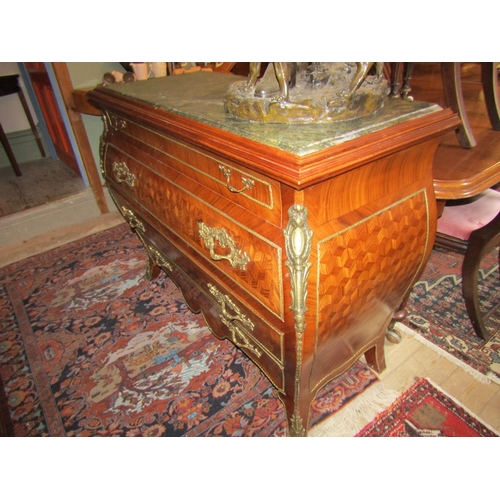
451, 76
9, 84
452, 84
470, 220
471, 227
465, 170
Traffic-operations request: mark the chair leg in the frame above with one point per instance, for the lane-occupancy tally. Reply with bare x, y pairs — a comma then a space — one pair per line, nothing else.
20, 93
452, 84
10, 153
489, 77
481, 241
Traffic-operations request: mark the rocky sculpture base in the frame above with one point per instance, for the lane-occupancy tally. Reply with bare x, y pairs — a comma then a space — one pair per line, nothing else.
307, 102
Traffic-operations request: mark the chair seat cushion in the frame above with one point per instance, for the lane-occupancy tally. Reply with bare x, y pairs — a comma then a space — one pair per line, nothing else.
461, 219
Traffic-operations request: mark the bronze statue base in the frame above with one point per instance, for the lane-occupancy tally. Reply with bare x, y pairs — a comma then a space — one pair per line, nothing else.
306, 103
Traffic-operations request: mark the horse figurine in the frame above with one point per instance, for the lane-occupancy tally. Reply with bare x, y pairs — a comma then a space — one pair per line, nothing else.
285, 73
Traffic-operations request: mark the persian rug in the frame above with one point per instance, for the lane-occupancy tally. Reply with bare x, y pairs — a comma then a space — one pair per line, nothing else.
424, 410
90, 347
436, 313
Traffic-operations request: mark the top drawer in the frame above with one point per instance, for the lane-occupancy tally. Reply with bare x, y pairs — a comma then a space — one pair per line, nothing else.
232, 181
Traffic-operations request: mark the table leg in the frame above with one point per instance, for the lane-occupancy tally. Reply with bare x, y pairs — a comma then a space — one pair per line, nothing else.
10, 153
31, 122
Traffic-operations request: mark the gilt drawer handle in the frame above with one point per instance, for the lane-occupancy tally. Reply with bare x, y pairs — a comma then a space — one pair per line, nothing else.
132, 219
247, 183
209, 235
123, 174
159, 258
238, 334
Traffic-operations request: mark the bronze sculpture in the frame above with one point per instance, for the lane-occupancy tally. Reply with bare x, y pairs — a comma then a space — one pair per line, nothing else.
290, 92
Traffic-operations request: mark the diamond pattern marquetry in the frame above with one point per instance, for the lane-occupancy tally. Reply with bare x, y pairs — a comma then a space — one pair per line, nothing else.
357, 265
261, 276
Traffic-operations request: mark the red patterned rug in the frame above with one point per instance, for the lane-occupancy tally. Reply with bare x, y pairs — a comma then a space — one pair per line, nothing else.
425, 411
89, 347
436, 311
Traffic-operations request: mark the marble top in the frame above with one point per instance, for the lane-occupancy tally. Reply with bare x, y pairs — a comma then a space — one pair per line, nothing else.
200, 96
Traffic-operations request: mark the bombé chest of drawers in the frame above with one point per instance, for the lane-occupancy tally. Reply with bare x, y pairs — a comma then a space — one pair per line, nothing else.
296, 242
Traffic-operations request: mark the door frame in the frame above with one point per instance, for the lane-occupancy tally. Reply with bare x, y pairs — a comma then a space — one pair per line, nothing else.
38, 111
73, 123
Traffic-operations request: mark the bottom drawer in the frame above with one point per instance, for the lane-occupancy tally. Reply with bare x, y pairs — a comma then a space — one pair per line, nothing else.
243, 328
225, 315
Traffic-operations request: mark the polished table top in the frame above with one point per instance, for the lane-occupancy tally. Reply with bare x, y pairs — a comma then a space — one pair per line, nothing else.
459, 172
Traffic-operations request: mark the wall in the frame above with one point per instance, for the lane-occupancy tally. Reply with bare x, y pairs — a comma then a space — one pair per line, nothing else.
89, 75
12, 116
15, 124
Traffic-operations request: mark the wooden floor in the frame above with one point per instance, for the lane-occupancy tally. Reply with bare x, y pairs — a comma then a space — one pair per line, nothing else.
406, 361
410, 360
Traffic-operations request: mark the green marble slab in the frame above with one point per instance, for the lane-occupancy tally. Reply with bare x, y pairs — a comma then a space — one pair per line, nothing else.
200, 96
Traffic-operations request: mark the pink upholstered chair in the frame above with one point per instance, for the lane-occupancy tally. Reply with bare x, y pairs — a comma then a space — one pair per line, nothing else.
471, 226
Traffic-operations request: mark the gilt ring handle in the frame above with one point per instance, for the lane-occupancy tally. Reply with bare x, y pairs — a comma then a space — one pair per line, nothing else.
247, 183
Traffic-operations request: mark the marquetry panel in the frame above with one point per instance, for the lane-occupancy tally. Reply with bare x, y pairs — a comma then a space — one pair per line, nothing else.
356, 267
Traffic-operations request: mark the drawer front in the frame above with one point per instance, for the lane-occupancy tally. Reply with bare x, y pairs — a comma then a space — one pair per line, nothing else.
257, 338
249, 259
232, 181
